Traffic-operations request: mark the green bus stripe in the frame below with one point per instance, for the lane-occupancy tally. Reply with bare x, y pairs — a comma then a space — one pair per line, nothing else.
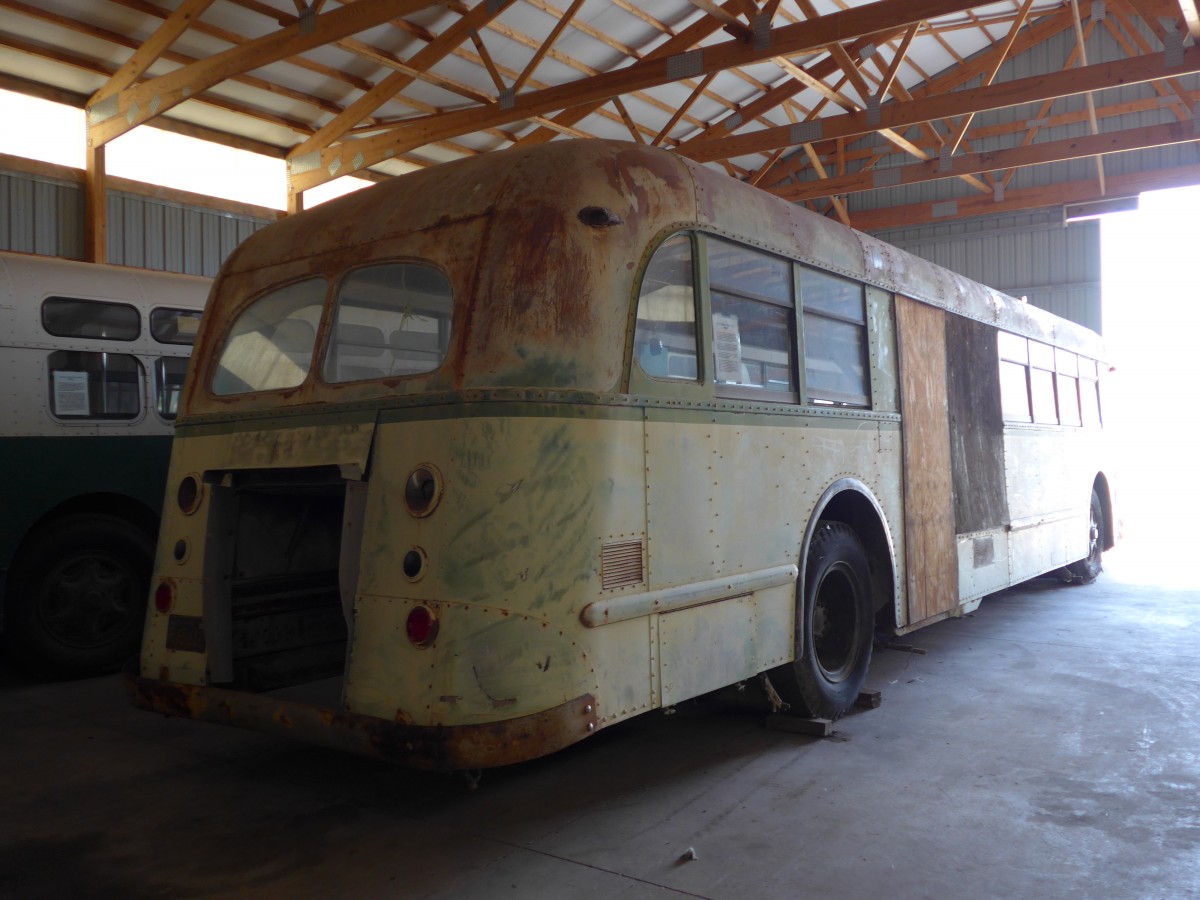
536, 404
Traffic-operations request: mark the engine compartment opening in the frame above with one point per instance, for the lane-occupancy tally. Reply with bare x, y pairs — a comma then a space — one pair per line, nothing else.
274, 615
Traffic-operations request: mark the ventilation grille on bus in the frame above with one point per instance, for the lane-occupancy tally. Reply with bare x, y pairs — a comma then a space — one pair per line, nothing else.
621, 564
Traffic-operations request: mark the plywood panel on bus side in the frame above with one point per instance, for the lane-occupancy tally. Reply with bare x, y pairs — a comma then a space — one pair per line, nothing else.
931, 554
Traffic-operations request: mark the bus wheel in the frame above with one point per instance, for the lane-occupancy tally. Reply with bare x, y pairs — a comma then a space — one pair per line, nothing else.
837, 630
76, 601
1089, 568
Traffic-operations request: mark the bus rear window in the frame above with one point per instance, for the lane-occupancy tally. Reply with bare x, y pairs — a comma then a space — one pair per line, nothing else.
69, 317
391, 320
270, 345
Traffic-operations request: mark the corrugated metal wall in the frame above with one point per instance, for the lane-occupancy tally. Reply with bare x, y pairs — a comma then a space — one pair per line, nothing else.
1029, 255
46, 215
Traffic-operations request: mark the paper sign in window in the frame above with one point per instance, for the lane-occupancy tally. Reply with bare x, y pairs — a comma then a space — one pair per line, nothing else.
71, 394
727, 348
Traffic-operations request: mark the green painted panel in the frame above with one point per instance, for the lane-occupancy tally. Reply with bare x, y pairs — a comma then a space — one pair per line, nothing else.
41, 473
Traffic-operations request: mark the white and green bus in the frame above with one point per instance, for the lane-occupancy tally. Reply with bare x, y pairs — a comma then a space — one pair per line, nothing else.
477, 462
92, 361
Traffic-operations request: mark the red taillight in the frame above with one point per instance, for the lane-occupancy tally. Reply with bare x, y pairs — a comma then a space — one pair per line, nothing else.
164, 597
422, 626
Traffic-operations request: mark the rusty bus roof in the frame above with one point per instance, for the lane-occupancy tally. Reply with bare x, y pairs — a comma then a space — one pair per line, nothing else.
545, 294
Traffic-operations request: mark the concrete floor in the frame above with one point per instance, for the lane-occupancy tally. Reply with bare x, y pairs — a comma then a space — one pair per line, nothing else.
1047, 746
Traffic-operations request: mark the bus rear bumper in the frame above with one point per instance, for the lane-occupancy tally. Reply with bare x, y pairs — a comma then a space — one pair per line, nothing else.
438, 747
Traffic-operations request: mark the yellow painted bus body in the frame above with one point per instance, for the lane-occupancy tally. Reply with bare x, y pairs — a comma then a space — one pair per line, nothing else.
601, 542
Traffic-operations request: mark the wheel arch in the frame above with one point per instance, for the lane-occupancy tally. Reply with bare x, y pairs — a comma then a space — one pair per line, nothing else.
850, 501
121, 506
1101, 487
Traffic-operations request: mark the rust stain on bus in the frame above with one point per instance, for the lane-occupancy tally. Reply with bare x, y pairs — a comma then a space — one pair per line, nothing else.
433, 747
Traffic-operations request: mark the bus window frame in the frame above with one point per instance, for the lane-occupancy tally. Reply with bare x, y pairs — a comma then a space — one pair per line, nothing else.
641, 381
880, 376
90, 301
752, 393
327, 327
803, 310
91, 420
152, 379
221, 343
182, 313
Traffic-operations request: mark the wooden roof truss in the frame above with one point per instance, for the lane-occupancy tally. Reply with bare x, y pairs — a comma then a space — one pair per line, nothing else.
819, 101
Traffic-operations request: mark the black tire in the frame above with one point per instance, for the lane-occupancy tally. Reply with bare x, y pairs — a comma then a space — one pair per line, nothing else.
1089, 568
833, 641
76, 598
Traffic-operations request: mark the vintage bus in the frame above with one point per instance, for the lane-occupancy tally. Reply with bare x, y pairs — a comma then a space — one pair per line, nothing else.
92, 361
479, 461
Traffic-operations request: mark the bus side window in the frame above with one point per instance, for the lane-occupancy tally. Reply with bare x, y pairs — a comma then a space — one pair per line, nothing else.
664, 341
1066, 365
174, 326
1041, 383
1089, 392
1014, 377
753, 314
168, 384
89, 385
835, 340
71, 317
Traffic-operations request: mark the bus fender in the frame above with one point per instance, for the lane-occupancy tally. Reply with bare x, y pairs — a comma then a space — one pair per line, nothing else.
849, 500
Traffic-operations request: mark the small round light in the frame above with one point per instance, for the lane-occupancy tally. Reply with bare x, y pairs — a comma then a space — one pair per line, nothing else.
423, 490
164, 597
414, 564
188, 495
180, 550
422, 626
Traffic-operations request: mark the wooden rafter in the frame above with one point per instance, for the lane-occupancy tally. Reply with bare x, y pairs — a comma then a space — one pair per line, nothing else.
955, 78
56, 54
386, 89
634, 130
154, 47
122, 40
882, 15
1191, 15
468, 79
563, 21
940, 106
1081, 44
1126, 185
1036, 154
1005, 49
115, 115
679, 43
835, 200
1132, 42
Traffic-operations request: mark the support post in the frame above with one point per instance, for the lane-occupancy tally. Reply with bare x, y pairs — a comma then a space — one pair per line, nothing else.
295, 201
95, 206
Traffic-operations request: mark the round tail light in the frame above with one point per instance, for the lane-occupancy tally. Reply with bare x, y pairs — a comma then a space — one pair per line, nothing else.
423, 490
188, 495
164, 597
422, 626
